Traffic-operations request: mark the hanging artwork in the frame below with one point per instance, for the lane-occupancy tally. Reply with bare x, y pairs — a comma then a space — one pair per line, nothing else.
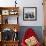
29, 13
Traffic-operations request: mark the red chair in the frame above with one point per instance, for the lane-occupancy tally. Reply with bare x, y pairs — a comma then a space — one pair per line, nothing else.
29, 33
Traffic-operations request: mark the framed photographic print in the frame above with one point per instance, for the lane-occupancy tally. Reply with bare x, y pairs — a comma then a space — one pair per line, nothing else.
29, 13
5, 12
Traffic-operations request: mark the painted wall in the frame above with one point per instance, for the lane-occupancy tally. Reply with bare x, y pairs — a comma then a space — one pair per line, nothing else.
26, 3
33, 3
37, 29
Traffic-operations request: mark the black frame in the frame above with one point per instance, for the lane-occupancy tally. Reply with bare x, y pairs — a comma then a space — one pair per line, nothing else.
30, 18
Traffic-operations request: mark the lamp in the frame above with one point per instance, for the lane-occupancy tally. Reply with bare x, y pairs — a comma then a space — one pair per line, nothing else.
15, 3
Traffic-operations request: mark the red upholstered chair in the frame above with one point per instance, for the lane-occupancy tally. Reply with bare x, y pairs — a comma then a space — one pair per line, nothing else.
28, 34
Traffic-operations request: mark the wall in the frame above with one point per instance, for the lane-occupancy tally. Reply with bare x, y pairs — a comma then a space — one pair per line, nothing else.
26, 3
37, 29
33, 3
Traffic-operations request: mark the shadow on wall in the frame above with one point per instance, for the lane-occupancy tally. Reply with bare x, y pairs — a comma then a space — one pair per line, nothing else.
37, 29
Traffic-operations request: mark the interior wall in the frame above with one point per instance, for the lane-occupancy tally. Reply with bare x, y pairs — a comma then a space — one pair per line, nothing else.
37, 29
40, 16
26, 3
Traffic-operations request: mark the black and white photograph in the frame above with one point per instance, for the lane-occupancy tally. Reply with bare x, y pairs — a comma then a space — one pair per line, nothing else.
29, 13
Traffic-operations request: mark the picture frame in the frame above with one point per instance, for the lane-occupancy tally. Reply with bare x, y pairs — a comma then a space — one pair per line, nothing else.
5, 12
29, 13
